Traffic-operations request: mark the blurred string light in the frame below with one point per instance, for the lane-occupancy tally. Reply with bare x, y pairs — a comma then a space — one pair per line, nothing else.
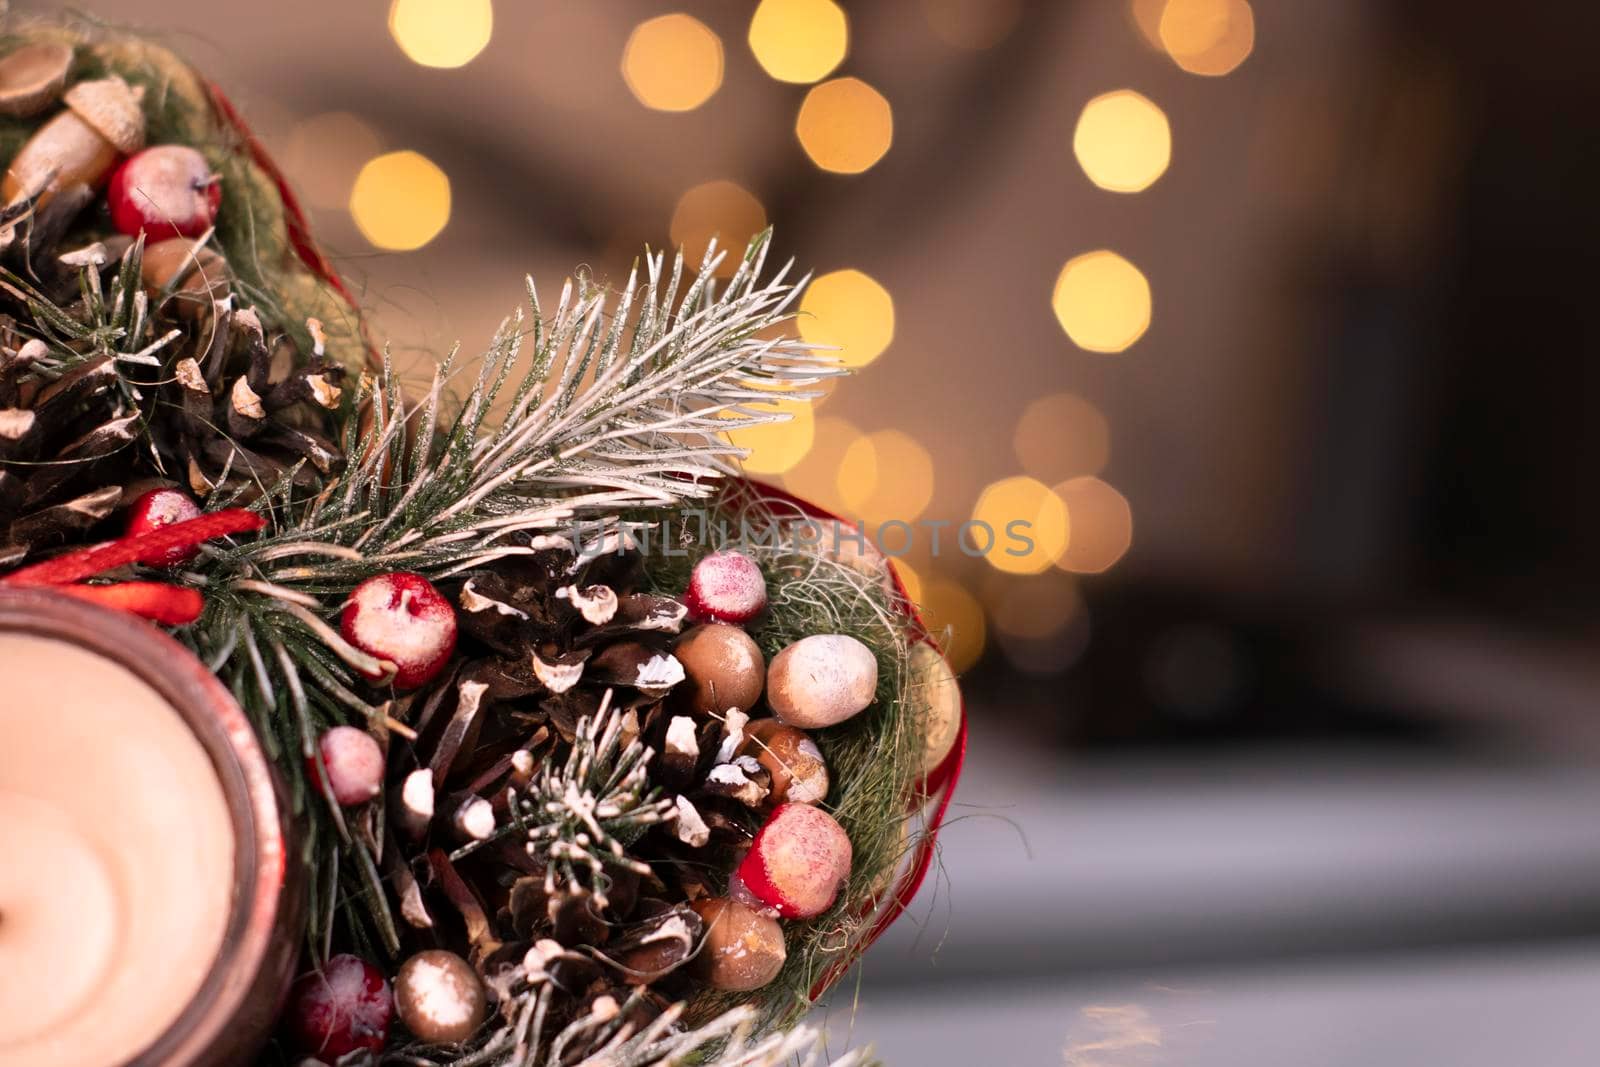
799, 41
1122, 141
887, 476
1102, 525
816, 476
1102, 301
776, 446
720, 209
956, 621
1208, 37
441, 33
1040, 622
400, 201
972, 24
1061, 436
1005, 506
672, 62
848, 310
845, 125
325, 153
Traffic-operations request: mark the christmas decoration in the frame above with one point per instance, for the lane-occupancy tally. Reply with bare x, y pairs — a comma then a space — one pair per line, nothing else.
565, 827
726, 587
400, 620
822, 680
343, 1006
164, 191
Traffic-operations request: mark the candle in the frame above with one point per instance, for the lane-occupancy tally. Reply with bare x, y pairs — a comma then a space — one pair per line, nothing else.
144, 913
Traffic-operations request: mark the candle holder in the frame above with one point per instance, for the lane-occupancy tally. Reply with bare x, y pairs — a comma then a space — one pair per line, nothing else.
240, 996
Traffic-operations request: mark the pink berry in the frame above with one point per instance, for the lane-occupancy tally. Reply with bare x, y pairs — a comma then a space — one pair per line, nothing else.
354, 762
401, 618
726, 587
163, 507
166, 191
343, 1007
798, 862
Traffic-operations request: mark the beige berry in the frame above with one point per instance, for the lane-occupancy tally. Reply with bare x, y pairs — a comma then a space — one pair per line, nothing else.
439, 997
821, 680
794, 761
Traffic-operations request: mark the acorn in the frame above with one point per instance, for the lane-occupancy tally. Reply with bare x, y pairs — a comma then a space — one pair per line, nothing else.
743, 949
81, 144
31, 78
822, 680
794, 761
193, 275
438, 996
723, 667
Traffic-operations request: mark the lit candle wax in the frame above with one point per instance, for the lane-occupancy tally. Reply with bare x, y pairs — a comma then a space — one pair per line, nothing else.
117, 858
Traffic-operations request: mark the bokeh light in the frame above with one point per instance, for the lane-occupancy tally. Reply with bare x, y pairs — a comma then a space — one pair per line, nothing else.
1023, 500
1146, 15
1033, 606
720, 209
1102, 525
1102, 301
886, 476
1061, 436
325, 153
955, 618
1209, 37
910, 578
799, 41
672, 62
845, 125
1122, 141
850, 311
401, 200
816, 477
972, 24
441, 33
776, 446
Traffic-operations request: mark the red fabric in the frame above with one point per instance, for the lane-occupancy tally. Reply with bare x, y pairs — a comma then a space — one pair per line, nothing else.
170, 605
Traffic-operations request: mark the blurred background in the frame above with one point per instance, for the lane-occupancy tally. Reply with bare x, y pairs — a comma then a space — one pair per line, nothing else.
1275, 318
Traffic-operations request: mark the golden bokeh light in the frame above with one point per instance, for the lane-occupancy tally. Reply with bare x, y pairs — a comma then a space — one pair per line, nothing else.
400, 201
1209, 37
816, 477
845, 125
672, 62
909, 578
1061, 436
956, 621
1036, 606
1102, 301
776, 446
325, 153
972, 24
886, 476
1122, 141
799, 41
1102, 525
1030, 524
1146, 16
850, 311
720, 209
441, 33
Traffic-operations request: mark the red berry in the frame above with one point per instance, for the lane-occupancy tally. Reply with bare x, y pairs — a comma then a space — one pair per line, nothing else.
166, 191
343, 1007
354, 762
726, 587
401, 618
163, 507
798, 861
